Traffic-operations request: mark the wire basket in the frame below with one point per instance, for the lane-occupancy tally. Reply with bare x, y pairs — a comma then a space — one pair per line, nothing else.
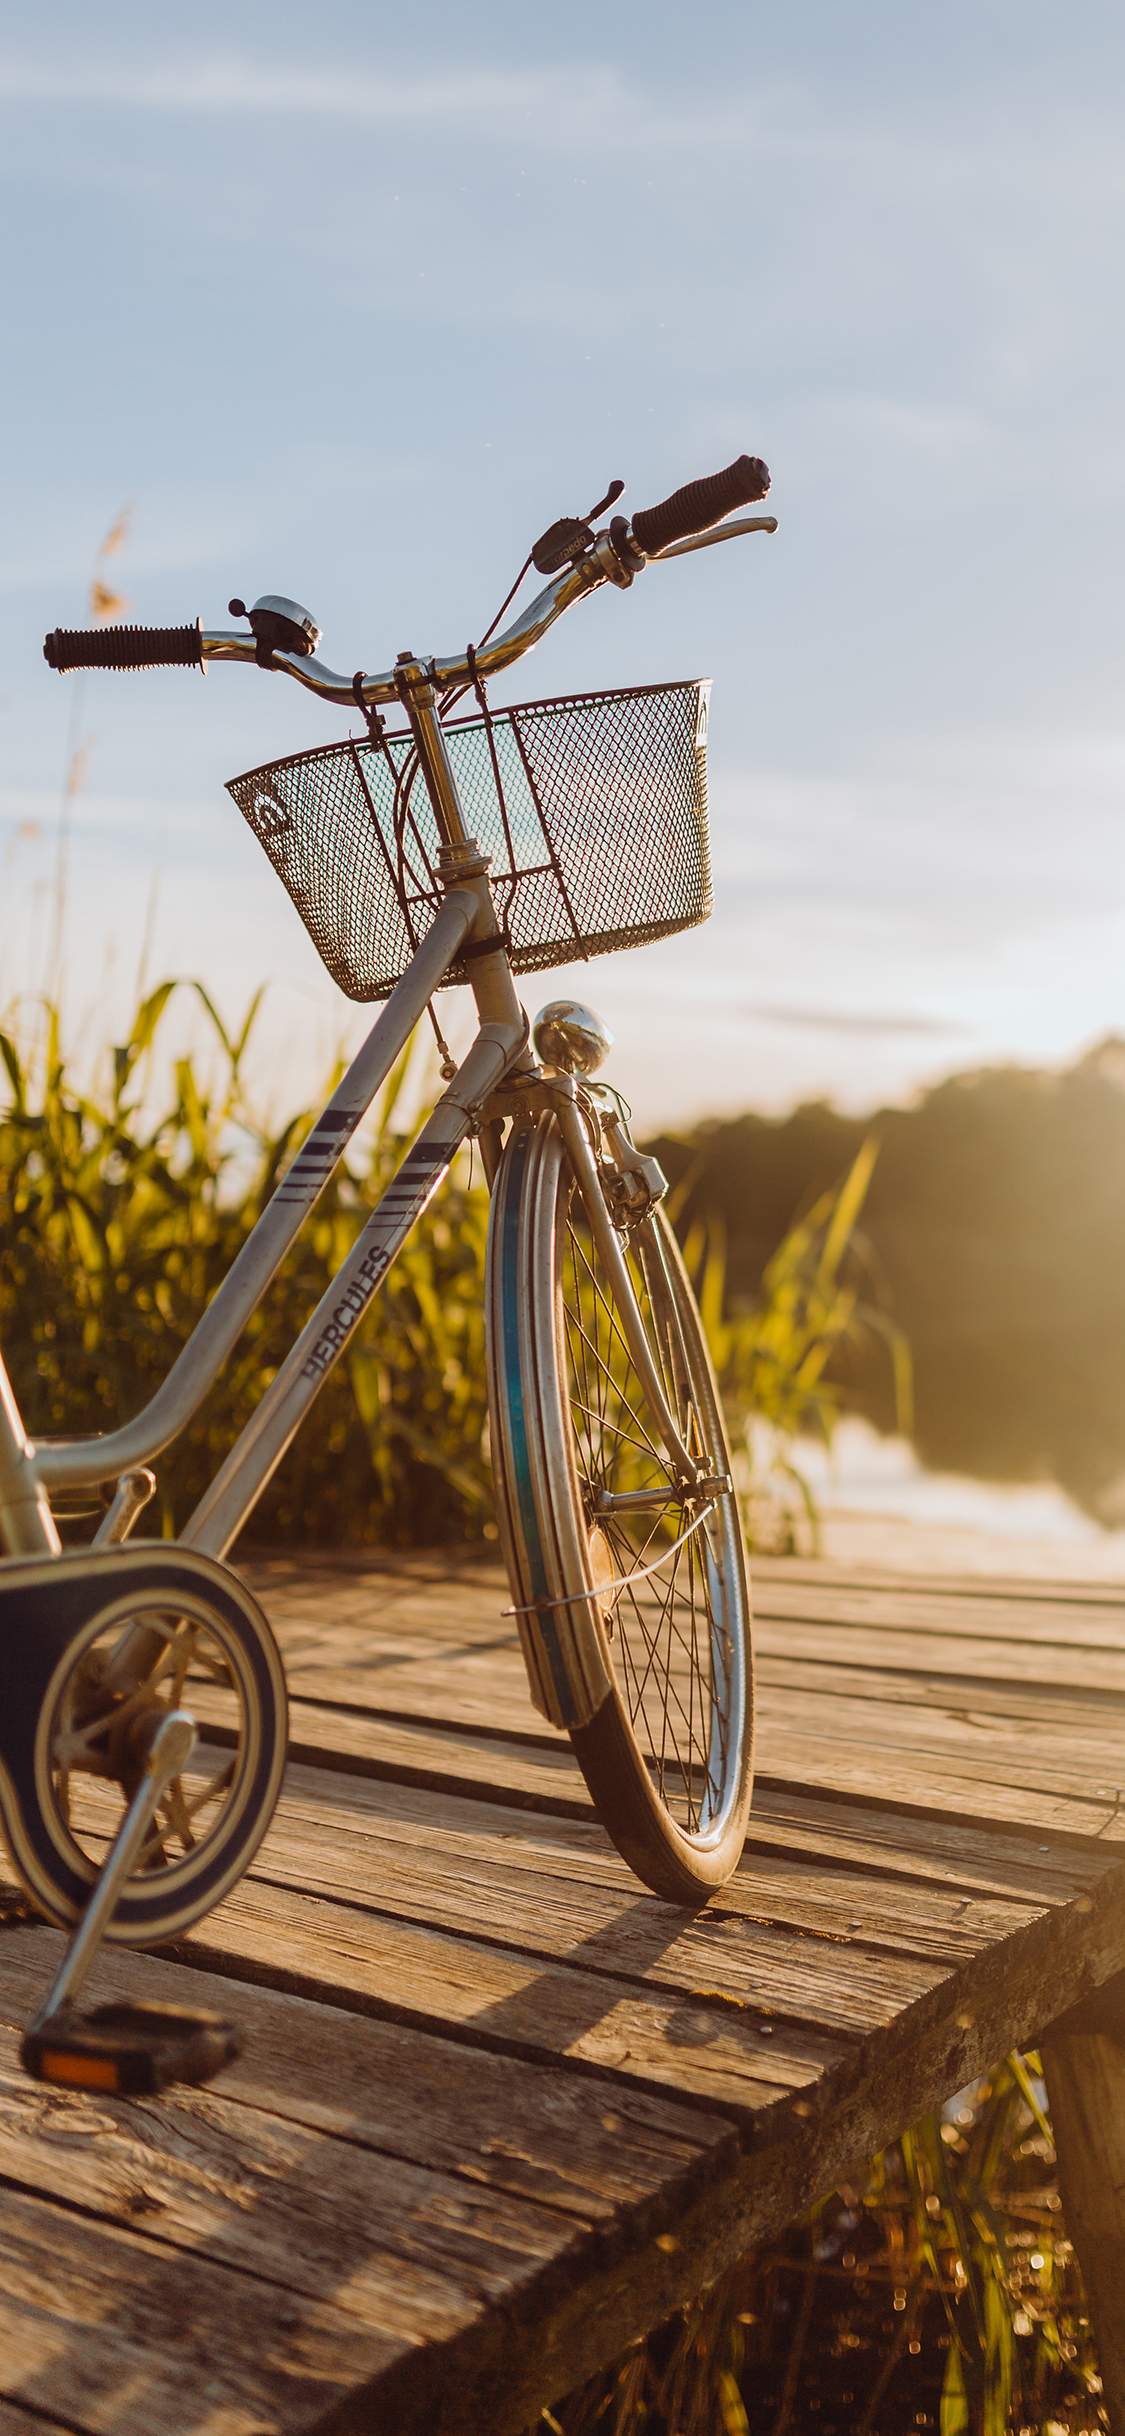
593, 809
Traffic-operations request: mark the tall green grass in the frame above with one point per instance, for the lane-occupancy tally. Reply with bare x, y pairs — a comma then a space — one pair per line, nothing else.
118, 1224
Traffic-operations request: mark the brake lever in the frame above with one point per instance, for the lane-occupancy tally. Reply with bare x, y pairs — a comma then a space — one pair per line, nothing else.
720, 532
565, 540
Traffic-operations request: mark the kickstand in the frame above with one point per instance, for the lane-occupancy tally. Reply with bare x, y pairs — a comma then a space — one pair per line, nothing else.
132, 2050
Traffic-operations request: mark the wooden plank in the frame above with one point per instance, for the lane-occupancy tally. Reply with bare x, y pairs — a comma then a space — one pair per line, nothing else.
968, 1856
1057, 1712
792, 1814
1032, 1705
550, 1887
482, 2024
474, 1677
790, 1771
698, 2047
816, 1586
557, 2138
524, 1775
473, 1689
973, 1786
118, 2334
497, 1996
485, 1692
499, 2371
538, 1892
912, 1770
323, 1600
431, 1642
321, 1584
949, 1649
928, 1613
920, 1782
392, 1614
410, 2252
1068, 1762
953, 1734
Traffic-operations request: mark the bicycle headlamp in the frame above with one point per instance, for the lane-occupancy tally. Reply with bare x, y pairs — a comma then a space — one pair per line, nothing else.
571, 1037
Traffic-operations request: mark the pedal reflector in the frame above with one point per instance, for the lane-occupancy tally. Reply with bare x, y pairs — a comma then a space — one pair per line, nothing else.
129, 2051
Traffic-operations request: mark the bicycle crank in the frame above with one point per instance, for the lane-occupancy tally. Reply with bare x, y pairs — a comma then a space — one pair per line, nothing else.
133, 2050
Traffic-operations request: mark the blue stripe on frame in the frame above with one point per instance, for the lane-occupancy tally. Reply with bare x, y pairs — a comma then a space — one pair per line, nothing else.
515, 1191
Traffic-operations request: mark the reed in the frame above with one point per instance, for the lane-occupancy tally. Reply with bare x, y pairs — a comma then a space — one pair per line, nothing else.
117, 1229
944, 2295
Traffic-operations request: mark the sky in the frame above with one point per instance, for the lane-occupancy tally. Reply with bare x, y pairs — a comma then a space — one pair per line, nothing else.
349, 303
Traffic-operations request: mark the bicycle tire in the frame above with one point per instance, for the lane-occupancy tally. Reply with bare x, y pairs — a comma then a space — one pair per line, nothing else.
61, 1797
653, 1680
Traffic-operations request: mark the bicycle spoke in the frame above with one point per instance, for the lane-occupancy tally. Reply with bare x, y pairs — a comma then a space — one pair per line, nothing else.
607, 1310
625, 1437
102, 1736
677, 1742
605, 1377
652, 1643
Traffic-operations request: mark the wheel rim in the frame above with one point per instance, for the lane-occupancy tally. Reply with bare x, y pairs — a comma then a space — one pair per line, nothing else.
676, 1646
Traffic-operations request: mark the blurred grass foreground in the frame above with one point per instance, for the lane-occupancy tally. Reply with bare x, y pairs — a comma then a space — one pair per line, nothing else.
117, 1227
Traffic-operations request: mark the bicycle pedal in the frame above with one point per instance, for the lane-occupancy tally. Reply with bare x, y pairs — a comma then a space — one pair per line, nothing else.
129, 2051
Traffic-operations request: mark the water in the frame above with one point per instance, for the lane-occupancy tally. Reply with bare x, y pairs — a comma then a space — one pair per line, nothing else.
879, 1506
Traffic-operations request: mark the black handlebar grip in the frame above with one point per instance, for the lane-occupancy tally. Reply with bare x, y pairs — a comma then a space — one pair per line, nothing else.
700, 504
125, 647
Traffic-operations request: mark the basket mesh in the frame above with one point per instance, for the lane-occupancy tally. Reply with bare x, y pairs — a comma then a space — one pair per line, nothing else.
593, 809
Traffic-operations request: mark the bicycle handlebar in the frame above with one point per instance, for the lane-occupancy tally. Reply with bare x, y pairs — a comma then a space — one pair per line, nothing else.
700, 504
613, 558
125, 647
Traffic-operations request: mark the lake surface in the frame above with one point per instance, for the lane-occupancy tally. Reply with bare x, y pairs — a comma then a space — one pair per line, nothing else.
880, 1506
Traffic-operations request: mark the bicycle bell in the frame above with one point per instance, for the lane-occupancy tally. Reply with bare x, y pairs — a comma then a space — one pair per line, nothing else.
280, 625
571, 1037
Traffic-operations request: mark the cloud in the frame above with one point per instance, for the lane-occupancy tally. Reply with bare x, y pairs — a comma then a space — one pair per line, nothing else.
593, 103
813, 1019
233, 83
487, 100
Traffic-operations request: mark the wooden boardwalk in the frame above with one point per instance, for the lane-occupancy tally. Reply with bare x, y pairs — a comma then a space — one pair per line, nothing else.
500, 2110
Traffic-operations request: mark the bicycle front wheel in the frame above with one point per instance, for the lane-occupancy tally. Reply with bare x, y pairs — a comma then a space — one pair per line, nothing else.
632, 1599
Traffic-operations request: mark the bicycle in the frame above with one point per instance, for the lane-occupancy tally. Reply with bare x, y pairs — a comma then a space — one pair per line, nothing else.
142, 1697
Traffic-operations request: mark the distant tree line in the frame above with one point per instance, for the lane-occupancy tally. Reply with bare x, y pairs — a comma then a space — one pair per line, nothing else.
993, 1231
